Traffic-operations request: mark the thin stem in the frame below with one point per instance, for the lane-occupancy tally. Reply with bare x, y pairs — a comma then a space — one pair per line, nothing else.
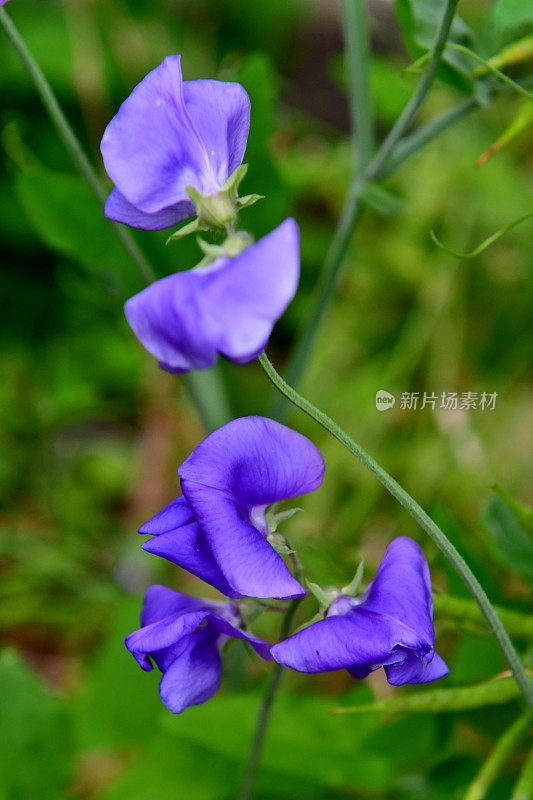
504, 748
207, 390
265, 712
70, 139
351, 213
418, 513
410, 111
357, 61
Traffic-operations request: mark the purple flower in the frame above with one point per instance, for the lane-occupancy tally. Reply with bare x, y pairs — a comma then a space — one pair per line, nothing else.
184, 636
229, 307
168, 135
218, 529
389, 626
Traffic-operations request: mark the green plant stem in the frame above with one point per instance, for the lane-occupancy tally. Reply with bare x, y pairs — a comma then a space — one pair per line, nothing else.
502, 751
459, 609
265, 711
360, 99
418, 513
523, 789
351, 213
207, 389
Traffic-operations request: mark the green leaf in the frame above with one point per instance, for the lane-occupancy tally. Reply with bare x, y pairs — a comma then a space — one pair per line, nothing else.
495, 692
35, 731
513, 543
67, 217
512, 14
419, 21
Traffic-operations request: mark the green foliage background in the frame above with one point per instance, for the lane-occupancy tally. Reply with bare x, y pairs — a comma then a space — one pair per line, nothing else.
92, 432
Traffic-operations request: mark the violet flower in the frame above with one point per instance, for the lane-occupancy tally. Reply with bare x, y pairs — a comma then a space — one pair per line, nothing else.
229, 307
184, 636
218, 530
389, 626
170, 134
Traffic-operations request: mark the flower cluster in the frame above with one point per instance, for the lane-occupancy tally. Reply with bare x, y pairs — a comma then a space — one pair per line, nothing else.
174, 151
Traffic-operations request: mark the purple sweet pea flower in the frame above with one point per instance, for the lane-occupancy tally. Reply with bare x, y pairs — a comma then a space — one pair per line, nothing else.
184, 636
170, 134
218, 530
389, 626
229, 307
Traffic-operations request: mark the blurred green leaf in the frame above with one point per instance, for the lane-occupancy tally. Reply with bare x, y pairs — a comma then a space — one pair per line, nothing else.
513, 544
507, 14
35, 731
67, 217
495, 692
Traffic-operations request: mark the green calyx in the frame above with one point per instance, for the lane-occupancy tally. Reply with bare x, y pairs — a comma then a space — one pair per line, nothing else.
217, 212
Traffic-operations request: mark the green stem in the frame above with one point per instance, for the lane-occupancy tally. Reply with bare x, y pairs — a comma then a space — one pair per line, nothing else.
265, 712
357, 61
418, 513
207, 390
351, 213
523, 789
503, 750
459, 609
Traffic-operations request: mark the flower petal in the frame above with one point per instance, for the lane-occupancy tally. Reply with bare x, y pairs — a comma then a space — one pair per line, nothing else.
158, 637
151, 150
255, 461
161, 602
194, 676
220, 112
222, 625
414, 670
187, 548
173, 516
360, 638
402, 587
168, 319
249, 462
249, 293
119, 209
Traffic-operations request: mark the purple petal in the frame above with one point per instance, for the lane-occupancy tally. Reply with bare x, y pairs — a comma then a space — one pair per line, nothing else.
185, 319
161, 602
193, 677
173, 516
402, 587
414, 670
360, 638
220, 113
250, 293
187, 548
255, 461
155, 147
119, 209
169, 320
222, 625
248, 562
164, 633
250, 462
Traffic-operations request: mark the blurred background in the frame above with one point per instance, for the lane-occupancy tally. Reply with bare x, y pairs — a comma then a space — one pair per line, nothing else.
92, 432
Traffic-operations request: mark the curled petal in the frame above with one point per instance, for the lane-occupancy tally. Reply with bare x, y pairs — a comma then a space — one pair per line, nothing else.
165, 138
250, 462
402, 587
119, 209
359, 639
188, 548
173, 516
416, 670
222, 625
193, 677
